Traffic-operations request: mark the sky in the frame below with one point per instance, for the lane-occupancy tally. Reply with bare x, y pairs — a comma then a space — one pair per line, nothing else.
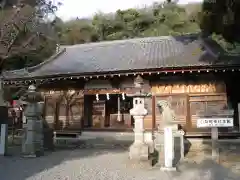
87, 8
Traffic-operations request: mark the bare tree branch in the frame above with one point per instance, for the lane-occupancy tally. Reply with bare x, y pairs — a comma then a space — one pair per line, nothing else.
22, 28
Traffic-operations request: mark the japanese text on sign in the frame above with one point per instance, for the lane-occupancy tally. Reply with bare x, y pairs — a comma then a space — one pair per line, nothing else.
214, 122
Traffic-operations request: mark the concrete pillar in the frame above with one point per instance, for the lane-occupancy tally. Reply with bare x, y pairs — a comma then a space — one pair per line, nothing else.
168, 149
3, 140
3, 123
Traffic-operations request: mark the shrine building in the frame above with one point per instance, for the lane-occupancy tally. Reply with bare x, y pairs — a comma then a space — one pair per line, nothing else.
86, 86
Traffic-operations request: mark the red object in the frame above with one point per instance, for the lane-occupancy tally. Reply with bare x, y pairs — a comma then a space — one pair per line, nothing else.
14, 103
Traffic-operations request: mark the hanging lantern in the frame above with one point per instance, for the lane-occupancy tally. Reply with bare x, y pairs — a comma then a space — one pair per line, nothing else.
108, 97
123, 96
97, 97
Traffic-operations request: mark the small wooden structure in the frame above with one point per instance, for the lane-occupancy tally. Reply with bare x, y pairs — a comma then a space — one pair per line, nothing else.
86, 86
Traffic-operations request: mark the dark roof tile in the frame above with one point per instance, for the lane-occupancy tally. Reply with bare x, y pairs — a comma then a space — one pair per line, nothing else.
127, 55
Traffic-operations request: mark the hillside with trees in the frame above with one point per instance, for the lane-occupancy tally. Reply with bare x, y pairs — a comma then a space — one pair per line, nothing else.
27, 39
156, 20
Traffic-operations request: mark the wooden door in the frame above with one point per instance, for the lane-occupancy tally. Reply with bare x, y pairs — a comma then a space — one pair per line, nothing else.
179, 104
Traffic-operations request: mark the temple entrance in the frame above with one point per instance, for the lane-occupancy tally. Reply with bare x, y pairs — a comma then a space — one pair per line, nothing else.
110, 112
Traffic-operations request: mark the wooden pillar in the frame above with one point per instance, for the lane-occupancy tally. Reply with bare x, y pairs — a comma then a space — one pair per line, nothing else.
153, 112
189, 117
87, 111
118, 108
153, 117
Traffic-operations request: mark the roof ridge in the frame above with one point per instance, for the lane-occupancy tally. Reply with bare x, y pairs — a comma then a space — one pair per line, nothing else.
132, 40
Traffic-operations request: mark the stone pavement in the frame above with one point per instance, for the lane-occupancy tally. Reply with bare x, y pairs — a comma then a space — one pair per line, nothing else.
102, 163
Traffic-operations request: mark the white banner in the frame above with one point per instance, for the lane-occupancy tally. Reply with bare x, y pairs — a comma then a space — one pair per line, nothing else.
214, 122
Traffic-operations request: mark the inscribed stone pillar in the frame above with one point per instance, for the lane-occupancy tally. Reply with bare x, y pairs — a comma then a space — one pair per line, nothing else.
3, 123
32, 145
3, 139
139, 150
167, 139
168, 149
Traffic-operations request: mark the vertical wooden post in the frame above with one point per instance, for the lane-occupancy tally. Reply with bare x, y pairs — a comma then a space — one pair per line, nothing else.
153, 112
118, 109
153, 117
44, 107
189, 117
215, 148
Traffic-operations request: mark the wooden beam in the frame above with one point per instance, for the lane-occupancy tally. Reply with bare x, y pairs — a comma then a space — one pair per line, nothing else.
102, 91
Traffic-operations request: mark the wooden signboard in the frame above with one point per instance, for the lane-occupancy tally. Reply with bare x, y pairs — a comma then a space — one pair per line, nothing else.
214, 122
214, 87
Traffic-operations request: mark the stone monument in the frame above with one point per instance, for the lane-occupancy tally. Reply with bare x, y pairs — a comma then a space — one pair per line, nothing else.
3, 123
139, 150
32, 142
168, 115
167, 146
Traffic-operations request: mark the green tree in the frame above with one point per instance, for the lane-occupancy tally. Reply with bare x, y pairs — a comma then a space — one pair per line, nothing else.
76, 32
25, 31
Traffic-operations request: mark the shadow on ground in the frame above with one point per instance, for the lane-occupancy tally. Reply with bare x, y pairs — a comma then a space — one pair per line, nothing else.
229, 153
205, 170
13, 166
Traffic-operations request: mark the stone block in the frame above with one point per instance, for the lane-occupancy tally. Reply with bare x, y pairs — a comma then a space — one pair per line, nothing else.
139, 152
172, 169
178, 147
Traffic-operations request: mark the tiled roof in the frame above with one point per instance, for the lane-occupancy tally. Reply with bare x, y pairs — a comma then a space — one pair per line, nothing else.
128, 55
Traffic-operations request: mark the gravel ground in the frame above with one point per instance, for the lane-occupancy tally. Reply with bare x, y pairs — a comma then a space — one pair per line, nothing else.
110, 162
77, 164
102, 164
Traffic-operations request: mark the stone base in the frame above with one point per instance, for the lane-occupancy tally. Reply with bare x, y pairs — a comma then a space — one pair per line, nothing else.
172, 169
30, 156
139, 152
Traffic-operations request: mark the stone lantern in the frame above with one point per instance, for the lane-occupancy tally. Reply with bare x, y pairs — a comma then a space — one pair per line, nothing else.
139, 150
32, 142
